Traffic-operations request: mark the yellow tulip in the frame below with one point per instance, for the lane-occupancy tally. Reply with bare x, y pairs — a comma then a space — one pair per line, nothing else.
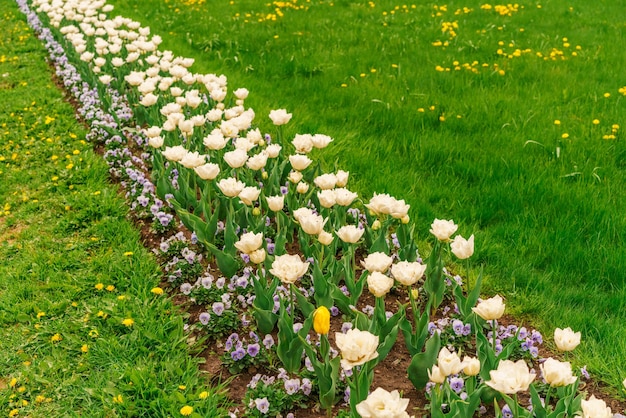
321, 320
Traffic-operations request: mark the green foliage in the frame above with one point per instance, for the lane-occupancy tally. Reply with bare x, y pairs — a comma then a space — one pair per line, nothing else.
74, 272
274, 393
468, 143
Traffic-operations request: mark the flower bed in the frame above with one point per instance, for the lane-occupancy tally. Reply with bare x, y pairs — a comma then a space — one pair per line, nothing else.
279, 252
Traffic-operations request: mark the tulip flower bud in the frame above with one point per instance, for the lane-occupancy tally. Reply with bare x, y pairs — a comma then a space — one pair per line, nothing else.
471, 366
258, 256
302, 187
325, 238
264, 175
321, 320
405, 219
376, 225
256, 211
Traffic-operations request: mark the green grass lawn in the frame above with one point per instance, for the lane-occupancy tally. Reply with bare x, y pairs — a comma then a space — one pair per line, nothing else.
508, 120
82, 333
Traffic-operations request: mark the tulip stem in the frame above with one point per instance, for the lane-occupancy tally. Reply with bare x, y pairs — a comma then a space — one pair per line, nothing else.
494, 333
292, 307
413, 306
547, 401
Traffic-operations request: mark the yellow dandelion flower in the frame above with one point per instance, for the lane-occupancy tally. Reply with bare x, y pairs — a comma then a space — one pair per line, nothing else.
557, 122
615, 126
128, 322
56, 338
110, 288
14, 412
186, 410
121, 297
596, 121
118, 399
13, 382
182, 387
421, 110
157, 291
84, 348
203, 395
565, 135
607, 95
94, 333
344, 85
40, 314
128, 253
40, 399
99, 286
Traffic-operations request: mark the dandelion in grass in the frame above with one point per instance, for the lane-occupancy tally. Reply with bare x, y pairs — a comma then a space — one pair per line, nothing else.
186, 410
128, 322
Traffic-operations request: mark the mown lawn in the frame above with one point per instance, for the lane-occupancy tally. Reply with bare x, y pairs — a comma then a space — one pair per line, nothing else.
83, 332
